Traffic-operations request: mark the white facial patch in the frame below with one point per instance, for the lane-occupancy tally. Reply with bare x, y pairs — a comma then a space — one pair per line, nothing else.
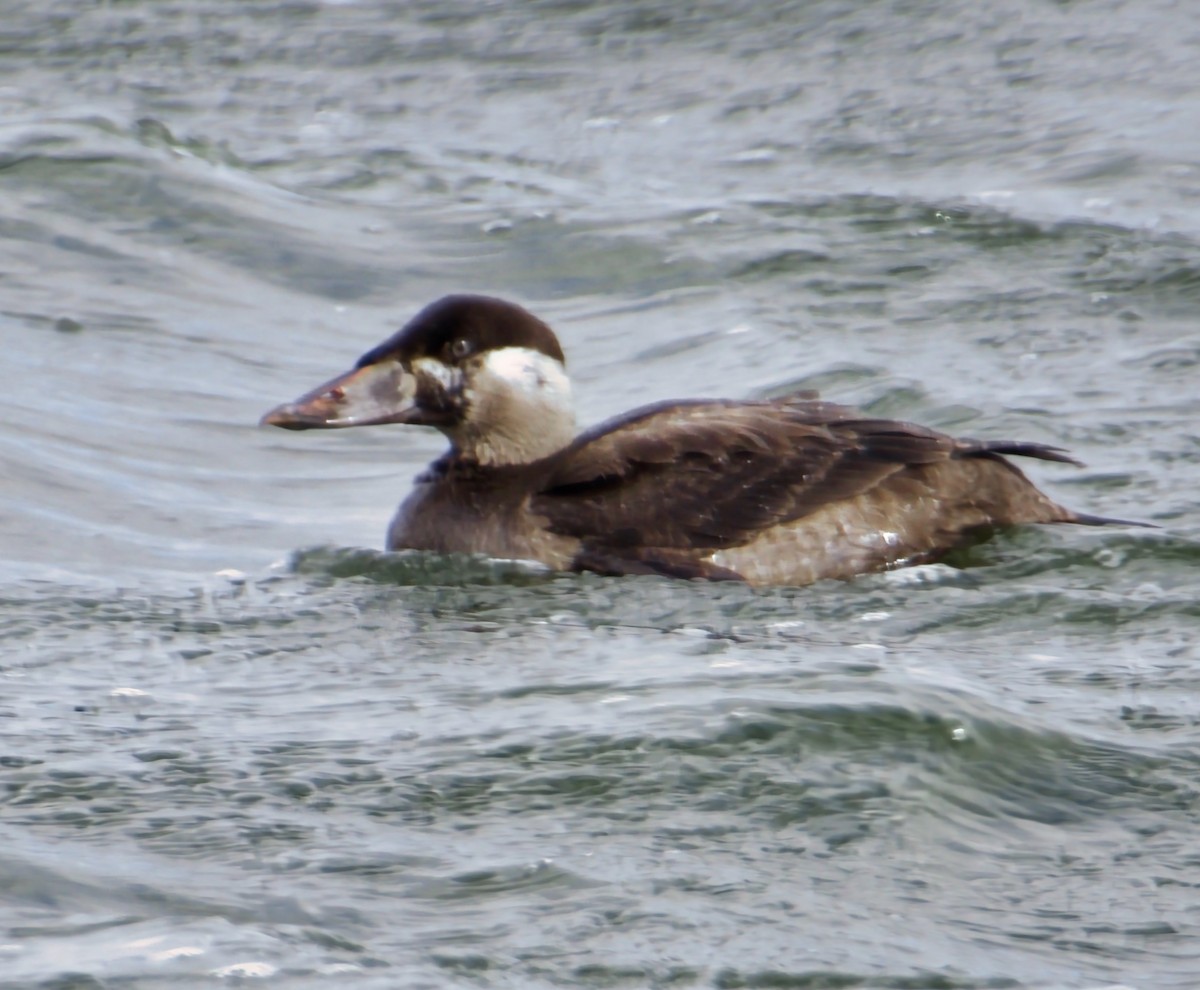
439, 371
537, 376
517, 407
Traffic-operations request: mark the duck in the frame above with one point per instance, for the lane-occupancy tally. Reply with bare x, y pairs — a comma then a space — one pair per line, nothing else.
781, 491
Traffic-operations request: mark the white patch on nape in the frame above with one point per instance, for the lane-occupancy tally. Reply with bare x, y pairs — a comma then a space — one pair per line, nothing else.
538, 376
517, 407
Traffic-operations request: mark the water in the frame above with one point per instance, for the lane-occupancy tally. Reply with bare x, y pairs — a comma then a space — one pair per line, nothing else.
240, 745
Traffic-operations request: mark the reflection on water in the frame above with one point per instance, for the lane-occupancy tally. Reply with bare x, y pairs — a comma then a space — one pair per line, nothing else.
227, 757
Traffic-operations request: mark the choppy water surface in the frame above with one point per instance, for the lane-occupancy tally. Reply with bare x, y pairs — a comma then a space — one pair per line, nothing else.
239, 745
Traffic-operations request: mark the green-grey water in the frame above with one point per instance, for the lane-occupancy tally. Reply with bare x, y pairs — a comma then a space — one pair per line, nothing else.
241, 746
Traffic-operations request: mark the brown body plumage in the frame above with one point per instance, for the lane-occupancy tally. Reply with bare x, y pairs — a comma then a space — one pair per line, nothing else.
776, 492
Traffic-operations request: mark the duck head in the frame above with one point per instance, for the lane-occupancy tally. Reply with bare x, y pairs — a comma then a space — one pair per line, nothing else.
485, 372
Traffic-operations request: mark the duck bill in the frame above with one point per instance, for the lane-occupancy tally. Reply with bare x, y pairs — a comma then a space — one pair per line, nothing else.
376, 393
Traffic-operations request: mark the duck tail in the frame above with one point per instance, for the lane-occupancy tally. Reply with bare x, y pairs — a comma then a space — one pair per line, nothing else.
1021, 448
1045, 452
1086, 519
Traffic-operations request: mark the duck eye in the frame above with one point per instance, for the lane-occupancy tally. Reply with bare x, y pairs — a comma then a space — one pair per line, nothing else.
459, 349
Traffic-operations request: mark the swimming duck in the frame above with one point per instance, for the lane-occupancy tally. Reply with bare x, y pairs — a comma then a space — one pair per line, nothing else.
778, 492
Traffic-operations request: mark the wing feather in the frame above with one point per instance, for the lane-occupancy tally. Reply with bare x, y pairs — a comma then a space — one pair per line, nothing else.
713, 474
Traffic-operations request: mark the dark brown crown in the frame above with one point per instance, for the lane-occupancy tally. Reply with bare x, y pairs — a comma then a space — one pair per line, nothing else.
457, 326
